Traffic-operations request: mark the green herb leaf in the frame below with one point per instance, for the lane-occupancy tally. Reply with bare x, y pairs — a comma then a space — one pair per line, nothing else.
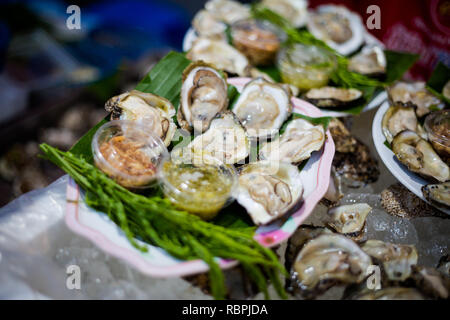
397, 64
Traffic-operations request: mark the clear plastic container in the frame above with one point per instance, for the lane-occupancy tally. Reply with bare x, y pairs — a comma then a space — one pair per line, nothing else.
258, 40
437, 125
201, 188
305, 67
128, 152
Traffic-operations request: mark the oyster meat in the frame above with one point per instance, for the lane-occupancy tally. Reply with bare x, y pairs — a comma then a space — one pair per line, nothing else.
207, 25
296, 144
220, 54
225, 140
227, 10
399, 118
371, 61
438, 194
419, 157
329, 259
328, 97
349, 219
268, 189
204, 94
397, 259
414, 95
262, 108
295, 11
338, 27
152, 110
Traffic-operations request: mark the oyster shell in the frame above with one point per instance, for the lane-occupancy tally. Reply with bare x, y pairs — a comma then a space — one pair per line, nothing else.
399, 118
294, 11
392, 293
343, 139
220, 54
418, 156
204, 94
151, 109
397, 259
371, 61
225, 140
431, 282
349, 219
333, 97
228, 10
296, 144
338, 27
268, 189
414, 95
329, 259
207, 25
262, 108
438, 194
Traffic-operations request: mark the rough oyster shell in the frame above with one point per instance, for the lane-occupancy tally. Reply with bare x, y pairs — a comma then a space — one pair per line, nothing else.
329, 259
438, 194
328, 97
225, 140
338, 27
399, 118
414, 95
267, 190
296, 144
343, 139
220, 54
397, 259
151, 109
418, 155
204, 94
262, 108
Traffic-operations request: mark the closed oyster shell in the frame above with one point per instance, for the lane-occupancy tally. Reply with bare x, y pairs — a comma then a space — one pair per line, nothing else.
418, 155
267, 190
204, 94
152, 110
262, 108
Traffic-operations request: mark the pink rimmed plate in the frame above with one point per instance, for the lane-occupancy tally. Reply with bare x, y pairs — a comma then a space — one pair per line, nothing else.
97, 227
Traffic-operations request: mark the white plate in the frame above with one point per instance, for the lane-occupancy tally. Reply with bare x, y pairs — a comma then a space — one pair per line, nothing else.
409, 179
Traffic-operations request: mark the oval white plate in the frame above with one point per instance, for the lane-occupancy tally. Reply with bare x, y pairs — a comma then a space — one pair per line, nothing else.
97, 227
409, 179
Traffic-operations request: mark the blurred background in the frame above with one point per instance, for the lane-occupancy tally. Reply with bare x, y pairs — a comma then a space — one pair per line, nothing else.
55, 80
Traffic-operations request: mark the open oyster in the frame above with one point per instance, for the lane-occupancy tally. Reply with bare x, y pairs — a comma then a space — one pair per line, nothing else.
207, 25
262, 108
414, 95
349, 219
391, 293
371, 61
338, 27
399, 118
397, 259
418, 155
295, 11
296, 144
438, 194
228, 10
151, 109
204, 94
220, 54
268, 189
329, 259
225, 140
333, 97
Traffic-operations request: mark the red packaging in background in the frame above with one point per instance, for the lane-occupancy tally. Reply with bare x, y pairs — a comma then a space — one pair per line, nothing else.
418, 26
